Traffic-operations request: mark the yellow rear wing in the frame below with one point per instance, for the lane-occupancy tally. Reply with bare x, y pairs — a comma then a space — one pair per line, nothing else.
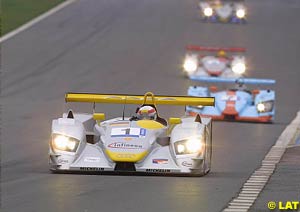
148, 98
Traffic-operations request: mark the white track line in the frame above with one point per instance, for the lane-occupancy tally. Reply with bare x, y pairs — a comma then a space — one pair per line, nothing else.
36, 20
260, 177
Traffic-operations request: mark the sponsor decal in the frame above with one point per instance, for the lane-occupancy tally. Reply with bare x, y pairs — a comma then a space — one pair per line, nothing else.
233, 98
160, 161
125, 155
187, 163
121, 145
127, 139
62, 161
91, 159
158, 170
91, 169
142, 132
128, 132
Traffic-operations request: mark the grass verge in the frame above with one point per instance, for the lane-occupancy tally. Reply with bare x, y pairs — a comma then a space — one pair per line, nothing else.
15, 13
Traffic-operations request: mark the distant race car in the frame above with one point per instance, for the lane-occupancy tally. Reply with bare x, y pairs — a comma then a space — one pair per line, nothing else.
232, 11
238, 104
214, 62
83, 142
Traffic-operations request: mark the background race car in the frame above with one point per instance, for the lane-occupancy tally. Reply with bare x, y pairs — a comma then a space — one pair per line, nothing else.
233, 11
214, 61
85, 142
237, 104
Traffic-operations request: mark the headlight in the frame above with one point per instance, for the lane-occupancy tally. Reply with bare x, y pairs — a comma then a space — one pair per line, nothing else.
208, 11
64, 143
189, 146
239, 68
190, 65
263, 107
240, 13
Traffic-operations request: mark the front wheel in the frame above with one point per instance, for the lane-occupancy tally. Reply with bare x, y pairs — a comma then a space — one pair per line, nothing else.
203, 168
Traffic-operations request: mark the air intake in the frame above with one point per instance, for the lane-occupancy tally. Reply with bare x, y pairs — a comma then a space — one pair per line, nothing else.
124, 167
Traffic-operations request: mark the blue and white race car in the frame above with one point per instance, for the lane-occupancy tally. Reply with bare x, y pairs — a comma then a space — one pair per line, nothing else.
232, 11
237, 104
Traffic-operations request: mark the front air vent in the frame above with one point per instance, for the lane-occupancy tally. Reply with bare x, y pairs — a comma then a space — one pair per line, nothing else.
163, 141
229, 117
124, 167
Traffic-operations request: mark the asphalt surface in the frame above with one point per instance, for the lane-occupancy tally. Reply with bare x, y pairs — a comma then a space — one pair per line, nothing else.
133, 46
283, 186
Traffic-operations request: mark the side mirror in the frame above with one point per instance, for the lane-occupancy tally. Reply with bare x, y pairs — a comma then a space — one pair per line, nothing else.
174, 120
99, 116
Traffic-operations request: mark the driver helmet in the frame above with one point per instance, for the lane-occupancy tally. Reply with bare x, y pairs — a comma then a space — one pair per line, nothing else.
147, 113
221, 53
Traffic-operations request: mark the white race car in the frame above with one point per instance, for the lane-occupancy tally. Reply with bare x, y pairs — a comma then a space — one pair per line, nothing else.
87, 143
219, 64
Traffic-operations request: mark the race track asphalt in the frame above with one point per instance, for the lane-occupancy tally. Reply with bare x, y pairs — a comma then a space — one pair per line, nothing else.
134, 46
